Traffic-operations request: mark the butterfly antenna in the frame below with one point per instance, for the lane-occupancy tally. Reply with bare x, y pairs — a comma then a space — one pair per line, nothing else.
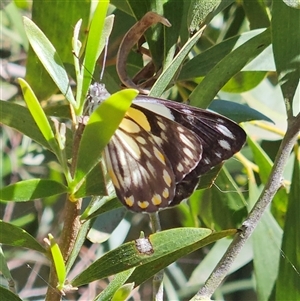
104, 58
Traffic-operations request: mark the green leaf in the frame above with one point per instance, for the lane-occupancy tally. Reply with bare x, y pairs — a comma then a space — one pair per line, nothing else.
3, 266
8, 295
99, 129
237, 112
58, 262
228, 67
38, 115
80, 240
286, 45
267, 236
144, 272
31, 189
57, 25
93, 184
202, 64
206, 266
169, 72
19, 118
200, 10
116, 290
265, 164
49, 58
223, 205
257, 14
14, 236
244, 81
164, 247
99, 31
287, 286
162, 244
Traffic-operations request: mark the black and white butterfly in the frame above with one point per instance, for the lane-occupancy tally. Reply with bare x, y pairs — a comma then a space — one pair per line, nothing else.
161, 148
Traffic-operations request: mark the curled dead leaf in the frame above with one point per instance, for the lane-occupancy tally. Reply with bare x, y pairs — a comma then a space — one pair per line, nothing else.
131, 38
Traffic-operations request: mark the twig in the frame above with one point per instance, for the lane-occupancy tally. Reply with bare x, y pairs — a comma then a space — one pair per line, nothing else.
270, 189
157, 282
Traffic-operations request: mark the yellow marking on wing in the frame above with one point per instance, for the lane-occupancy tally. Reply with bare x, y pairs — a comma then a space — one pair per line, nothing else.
114, 178
166, 193
140, 118
129, 126
131, 144
129, 201
156, 200
143, 205
167, 178
159, 155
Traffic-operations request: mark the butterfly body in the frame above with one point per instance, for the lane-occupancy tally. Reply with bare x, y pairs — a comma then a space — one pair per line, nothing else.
161, 148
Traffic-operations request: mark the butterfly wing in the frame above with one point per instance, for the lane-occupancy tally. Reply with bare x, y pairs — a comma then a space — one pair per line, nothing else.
143, 175
220, 139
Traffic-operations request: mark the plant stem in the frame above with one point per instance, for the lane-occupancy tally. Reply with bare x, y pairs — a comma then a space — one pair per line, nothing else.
270, 189
71, 226
157, 282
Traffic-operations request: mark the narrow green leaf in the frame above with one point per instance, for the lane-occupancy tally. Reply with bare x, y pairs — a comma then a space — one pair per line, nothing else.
7, 295
31, 189
236, 112
261, 159
206, 266
203, 63
100, 30
56, 19
93, 184
123, 292
198, 11
223, 205
266, 248
3, 266
58, 262
244, 81
286, 45
169, 72
257, 14
49, 58
162, 244
14, 236
116, 290
160, 250
228, 67
288, 281
80, 239
144, 272
38, 114
19, 118
99, 129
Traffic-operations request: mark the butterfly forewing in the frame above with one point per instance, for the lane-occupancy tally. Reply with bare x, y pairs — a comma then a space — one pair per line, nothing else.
220, 139
181, 145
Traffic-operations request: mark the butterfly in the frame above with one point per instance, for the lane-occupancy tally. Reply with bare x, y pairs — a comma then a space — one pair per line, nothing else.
161, 149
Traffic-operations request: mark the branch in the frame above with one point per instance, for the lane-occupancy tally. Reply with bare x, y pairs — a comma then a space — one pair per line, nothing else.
270, 189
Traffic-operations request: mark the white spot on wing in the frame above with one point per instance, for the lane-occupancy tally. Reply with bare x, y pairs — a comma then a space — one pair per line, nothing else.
180, 167
219, 155
186, 141
188, 152
224, 144
157, 108
225, 131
